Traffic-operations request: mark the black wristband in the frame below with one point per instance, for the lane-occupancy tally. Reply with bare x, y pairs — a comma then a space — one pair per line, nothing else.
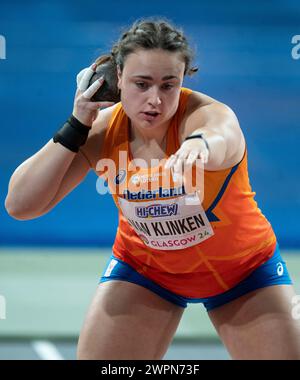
199, 136
72, 135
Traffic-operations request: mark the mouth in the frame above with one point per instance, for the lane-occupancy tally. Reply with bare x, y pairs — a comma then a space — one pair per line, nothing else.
150, 115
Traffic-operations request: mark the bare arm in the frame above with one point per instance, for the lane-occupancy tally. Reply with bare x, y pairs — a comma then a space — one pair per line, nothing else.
53, 171
220, 128
40, 182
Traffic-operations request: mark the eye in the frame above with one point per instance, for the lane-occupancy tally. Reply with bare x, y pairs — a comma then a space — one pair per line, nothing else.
167, 86
142, 85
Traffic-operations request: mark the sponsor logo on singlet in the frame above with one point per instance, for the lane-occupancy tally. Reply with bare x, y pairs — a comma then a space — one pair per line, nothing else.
156, 210
144, 178
120, 177
154, 194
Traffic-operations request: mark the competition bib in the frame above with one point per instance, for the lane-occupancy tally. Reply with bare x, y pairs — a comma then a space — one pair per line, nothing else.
168, 224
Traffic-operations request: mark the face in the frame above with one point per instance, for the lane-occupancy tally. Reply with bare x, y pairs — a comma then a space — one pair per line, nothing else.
150, 87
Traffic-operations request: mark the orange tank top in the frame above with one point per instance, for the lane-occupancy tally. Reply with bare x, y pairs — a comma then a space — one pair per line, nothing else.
195, 248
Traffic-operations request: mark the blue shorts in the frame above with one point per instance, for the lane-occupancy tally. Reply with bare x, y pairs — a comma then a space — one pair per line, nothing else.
272, 272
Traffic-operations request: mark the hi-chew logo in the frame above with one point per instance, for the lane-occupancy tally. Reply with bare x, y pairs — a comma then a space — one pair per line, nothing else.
158, 210
2, 47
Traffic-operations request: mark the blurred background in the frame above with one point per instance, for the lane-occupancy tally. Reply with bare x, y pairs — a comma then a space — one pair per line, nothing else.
248, 58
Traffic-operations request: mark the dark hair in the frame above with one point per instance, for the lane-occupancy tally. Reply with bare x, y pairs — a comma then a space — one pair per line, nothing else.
144, 34
151, 34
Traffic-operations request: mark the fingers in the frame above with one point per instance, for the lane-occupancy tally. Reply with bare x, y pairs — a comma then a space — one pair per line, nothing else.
182, 158
194, 154
84, 77
171, 161
90, 91
182, 165
84, 109
204, 156
176, 160
79, 76
99, 105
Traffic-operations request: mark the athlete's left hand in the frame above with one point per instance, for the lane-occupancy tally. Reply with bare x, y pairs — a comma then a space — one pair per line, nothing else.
187, 154
191, 152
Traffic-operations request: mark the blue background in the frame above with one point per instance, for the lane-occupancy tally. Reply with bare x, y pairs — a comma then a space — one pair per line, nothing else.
244, 54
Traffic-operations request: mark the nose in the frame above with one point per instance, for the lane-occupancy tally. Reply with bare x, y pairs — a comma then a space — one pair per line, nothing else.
154, 99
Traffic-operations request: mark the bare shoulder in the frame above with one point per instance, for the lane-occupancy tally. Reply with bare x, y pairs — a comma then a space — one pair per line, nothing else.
199, 99
205, 112
204, 105
92, 148
214, 117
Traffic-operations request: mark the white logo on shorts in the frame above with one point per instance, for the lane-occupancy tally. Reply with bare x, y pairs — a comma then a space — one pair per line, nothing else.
279, 269
110, 267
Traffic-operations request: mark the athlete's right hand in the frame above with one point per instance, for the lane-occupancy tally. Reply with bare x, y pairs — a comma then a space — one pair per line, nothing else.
84, 109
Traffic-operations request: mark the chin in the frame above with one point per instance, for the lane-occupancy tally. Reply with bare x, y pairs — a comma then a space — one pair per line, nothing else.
151, 124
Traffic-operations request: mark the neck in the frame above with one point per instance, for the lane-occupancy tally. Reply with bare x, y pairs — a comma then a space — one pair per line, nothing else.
157, 135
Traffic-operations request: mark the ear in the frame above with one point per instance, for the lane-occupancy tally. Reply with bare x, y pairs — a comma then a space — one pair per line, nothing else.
119, 72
